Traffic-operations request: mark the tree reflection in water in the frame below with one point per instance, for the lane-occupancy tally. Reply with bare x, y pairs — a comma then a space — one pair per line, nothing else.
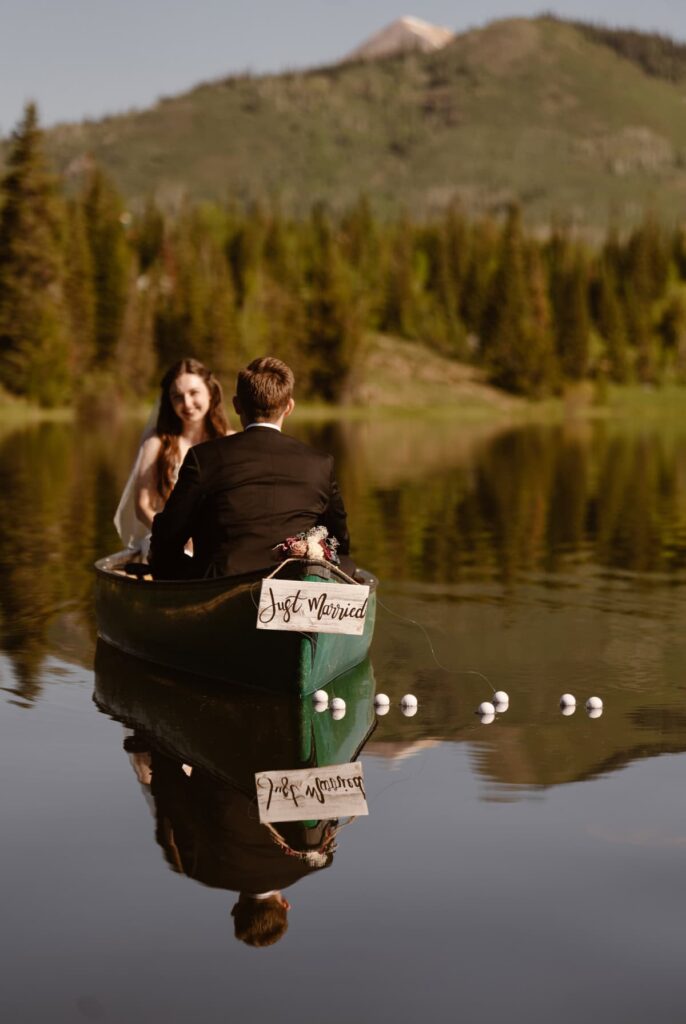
430, 501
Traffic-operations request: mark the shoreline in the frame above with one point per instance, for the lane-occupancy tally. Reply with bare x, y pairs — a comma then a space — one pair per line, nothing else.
619, 402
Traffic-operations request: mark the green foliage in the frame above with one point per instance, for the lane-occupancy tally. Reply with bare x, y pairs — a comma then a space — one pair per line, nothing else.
333, 328
196, 311
99, 302
110, 256
79, 288
572, 318
672, 332
517, 329
609, 316
504, 327
34, 347
148, 236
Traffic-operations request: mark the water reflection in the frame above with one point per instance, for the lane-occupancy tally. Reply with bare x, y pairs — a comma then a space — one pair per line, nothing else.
548, 558
195, 747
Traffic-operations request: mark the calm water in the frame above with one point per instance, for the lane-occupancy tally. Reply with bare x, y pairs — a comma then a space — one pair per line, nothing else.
531, 868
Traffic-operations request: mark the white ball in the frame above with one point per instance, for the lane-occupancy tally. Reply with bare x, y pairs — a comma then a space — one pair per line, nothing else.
487, 719
568, 709
408, 710
320, 697
382, 700
594, 712
338, 704
485, 708
567, 700
501, 708
337, 714
500, 697
409, 701
593, 703
382, 709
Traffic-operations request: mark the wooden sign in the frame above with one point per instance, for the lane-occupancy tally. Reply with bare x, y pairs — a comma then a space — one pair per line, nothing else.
313, 607
306, 794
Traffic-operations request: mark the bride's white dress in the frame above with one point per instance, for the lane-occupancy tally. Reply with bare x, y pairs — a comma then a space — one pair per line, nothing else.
134, 534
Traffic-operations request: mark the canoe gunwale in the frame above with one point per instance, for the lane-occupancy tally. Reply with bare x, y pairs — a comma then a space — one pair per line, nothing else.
106, 567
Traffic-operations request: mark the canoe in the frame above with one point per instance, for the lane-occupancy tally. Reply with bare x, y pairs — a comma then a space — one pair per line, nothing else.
234, 732
208, 627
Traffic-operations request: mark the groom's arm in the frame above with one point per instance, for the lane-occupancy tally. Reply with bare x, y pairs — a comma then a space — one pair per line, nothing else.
171, 528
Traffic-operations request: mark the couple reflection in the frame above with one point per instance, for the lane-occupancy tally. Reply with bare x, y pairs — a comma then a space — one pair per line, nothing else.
195, 749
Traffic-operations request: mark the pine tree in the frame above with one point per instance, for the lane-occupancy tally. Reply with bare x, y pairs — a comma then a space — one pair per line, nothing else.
572, 315
333, 325
149, 236
245, 251
400, 302
196, 313
361, 248
506, 321
111, 263
34, 344
641, 337
220, 344
445, 247
483, 258
135, 353
79, 291
609, 317
646, 262
673, 331
540, 369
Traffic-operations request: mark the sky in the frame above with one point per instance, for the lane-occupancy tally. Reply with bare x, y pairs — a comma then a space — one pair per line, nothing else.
88, 58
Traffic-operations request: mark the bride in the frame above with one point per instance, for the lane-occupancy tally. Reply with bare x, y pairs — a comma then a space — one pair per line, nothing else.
189, 410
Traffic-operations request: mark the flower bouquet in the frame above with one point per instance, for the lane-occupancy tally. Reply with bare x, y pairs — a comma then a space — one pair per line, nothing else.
313, 543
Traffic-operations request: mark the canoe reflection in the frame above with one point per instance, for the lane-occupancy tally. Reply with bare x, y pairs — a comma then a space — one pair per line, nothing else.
195, 747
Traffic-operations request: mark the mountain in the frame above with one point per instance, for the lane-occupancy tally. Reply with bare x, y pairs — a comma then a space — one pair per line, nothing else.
405, 34
539, 110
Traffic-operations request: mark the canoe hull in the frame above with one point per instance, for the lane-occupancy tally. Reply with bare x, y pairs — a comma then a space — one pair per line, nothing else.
208, 627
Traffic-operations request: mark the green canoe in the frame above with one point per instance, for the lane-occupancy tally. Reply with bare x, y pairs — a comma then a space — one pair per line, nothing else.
208, 627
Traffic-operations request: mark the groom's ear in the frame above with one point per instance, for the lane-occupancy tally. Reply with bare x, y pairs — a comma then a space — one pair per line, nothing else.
289, 407
236, 405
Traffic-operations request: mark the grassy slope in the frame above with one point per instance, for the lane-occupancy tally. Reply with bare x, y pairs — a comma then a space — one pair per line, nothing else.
533, 109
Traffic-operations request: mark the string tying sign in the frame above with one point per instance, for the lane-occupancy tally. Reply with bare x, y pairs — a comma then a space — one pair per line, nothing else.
310, 607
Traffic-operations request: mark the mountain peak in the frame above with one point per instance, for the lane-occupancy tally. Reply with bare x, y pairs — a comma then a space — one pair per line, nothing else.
406, 33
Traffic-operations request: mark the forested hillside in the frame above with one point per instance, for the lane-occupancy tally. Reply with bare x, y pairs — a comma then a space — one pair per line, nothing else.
95, 301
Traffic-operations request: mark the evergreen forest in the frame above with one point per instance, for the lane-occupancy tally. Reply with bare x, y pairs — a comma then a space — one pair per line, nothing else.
96, 300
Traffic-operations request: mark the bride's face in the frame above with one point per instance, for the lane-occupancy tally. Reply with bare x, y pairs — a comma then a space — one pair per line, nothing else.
190, 398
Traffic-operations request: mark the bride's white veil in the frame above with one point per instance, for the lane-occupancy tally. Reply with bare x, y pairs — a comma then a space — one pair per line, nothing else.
131, 530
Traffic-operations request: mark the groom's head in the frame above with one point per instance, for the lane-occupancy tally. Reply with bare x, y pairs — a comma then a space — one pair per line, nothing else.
264, 391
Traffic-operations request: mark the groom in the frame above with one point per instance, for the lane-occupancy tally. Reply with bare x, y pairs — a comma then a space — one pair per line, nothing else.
238, 497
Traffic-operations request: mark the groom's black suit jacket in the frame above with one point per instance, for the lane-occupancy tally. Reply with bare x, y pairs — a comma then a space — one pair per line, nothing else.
238, 497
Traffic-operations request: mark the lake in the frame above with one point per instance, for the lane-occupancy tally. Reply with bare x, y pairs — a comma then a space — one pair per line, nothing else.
530, 867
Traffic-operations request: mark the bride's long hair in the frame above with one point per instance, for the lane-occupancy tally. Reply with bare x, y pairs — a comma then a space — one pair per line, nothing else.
169, 427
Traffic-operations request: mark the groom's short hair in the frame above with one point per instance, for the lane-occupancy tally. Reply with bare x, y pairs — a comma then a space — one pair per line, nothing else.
264, 388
